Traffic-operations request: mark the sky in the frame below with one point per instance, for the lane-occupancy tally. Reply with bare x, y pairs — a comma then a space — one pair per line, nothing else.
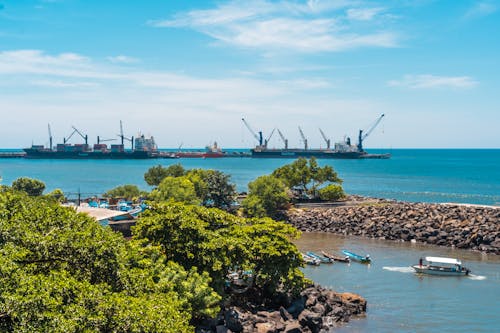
187, 72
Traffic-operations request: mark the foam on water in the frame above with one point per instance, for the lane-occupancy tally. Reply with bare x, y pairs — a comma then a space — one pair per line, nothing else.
476, 277
406, 269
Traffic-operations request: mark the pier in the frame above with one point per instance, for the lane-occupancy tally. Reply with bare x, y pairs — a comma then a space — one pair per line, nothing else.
12, 154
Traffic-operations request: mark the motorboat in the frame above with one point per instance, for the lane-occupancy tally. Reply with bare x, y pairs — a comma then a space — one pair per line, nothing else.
323, 259
356, 257
441, 266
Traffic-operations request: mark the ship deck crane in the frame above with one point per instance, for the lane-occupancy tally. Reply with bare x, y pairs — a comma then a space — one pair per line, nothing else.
257, 137
303, 138
84, 137
99, 140
123, 137
325, 138
50, 137
285, 140
362, 137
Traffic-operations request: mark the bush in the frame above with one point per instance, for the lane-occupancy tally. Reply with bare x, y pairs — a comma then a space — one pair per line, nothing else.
331, 192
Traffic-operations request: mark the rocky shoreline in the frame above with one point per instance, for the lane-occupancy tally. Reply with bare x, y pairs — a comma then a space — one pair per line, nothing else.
462, 226
316, 310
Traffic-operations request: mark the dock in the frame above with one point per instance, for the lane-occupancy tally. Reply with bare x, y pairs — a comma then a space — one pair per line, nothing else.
12, 154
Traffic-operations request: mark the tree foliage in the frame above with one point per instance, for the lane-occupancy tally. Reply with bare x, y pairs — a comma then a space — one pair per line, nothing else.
217, 242
213, 187
331, 192
124, 191
63, 272
306, 175
57, 195
179, 189
266, 195
33, 187
156, 174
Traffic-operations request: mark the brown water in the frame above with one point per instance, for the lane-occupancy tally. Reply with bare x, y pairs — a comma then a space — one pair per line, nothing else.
400, 300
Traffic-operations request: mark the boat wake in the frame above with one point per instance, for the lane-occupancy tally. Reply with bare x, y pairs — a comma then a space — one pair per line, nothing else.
405, 269
476, 277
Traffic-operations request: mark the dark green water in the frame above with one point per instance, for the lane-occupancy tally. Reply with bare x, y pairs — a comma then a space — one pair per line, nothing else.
400, 300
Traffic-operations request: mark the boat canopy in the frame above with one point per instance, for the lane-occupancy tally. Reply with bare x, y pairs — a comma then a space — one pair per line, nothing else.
444, 260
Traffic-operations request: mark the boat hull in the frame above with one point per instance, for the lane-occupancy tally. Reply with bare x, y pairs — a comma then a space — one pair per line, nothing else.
357, 257
442, 271
317, 153
37, 154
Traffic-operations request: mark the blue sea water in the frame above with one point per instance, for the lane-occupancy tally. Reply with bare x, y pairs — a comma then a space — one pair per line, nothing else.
418, 175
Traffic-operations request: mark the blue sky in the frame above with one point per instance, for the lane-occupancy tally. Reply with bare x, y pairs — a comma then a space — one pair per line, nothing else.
188, 71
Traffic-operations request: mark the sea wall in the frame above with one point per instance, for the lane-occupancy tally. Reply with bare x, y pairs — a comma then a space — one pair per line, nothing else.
461, 226
317, 310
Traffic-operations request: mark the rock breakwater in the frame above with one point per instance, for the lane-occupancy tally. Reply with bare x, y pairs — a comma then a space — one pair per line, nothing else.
461, 226
317, 310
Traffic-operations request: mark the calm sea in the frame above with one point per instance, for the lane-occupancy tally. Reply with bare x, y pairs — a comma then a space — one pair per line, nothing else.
398, 300
427, 175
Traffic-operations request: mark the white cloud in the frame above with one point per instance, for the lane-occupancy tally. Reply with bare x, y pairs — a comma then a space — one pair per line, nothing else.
427, 81
481, 9
123, 59
363, 14
305, 27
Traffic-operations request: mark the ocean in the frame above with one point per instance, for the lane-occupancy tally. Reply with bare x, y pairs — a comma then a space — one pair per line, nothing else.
417, 175
398, 299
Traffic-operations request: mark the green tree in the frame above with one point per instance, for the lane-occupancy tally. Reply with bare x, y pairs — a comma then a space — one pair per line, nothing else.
57, 195
266, 196
179, 189
306, 175
62, 272
156, 174
213, 187
331, 192
124, 191
33, 187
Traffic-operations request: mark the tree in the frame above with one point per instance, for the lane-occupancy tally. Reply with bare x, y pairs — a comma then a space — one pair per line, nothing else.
156, 174
331, 192
306, 175
217, 242
57, 195
62, 272
213, 188
33, 187
124, 191
266, 195
179, 189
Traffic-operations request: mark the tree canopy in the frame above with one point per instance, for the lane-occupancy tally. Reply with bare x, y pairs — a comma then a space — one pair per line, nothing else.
156, 174
124, 191
32, 187
63, 272
266, 196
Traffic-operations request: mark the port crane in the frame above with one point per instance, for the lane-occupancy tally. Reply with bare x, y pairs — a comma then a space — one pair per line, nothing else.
362, 137
325, 138
123, 137
285, 140
303, 138
259, 138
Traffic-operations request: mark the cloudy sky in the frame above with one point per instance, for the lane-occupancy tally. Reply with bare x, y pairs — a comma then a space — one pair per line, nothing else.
187, 72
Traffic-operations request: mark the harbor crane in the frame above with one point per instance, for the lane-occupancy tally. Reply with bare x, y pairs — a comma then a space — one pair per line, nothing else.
362, 137
325, 138
285, 140
50, 137
257, 137
123, 137
303, 138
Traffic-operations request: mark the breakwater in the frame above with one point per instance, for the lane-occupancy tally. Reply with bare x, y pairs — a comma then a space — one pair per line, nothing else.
461, 226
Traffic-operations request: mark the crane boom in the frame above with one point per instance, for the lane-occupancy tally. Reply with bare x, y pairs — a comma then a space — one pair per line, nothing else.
285, 141
325, 138
303, 138
79, 133
50, 137
257, 137
362, 137
123, 137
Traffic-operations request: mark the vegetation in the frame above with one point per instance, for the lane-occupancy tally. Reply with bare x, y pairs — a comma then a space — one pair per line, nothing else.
178, 189
32, 187
266, 196
62, 272
331, 192
213, 188
306, 175
57, 195
125, 191
156, 174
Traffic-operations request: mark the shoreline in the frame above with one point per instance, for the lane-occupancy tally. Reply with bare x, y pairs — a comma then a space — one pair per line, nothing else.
465, 226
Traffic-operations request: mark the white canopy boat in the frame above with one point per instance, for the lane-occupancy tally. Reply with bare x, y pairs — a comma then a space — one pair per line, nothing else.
441, 266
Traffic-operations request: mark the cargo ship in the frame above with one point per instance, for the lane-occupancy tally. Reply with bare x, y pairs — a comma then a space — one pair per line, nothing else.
341, 150
141, 148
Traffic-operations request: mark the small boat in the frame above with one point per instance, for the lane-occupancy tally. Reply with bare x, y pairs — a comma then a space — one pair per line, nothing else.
336, 258
310, 260
356, 257
323, 259
441, 266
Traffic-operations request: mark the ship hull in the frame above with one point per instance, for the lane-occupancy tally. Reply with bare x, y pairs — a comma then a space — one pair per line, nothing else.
36, 154
318, 153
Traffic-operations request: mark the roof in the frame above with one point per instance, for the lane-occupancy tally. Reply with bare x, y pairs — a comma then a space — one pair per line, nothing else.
444, 260
100, 213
